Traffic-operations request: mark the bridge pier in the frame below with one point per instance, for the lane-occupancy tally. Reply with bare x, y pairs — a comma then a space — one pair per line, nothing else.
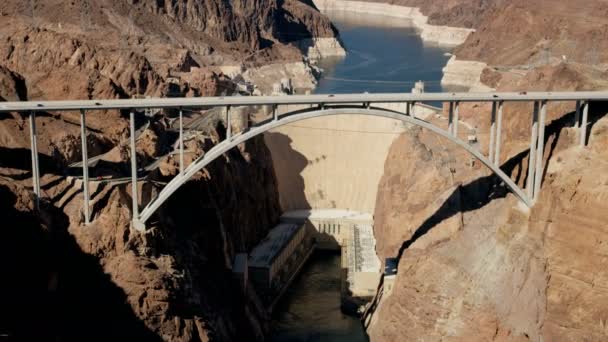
413, 109
538, 179
228, 123
451, 118
456, 118
532, 154
498, 134
577, 116
583, 128
137, 224
85, 167
35, 164
492, 133
181, 141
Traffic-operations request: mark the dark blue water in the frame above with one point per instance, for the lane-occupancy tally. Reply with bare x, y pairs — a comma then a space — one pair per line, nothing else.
381, 58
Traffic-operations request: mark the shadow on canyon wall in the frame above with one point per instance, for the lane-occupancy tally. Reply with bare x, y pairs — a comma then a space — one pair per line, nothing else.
51, 290
289, 165
206, 223
480, 192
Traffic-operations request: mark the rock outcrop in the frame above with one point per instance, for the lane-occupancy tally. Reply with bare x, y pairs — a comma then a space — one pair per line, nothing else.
473, 264
478, 267
63, 280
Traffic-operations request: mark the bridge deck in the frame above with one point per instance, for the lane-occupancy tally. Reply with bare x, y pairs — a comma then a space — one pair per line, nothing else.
295, 99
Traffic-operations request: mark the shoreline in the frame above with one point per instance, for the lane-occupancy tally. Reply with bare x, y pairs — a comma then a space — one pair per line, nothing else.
441, 35
467, 74
457, 73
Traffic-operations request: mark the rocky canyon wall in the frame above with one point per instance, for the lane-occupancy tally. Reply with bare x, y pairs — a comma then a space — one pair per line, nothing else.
67, 281
474, 264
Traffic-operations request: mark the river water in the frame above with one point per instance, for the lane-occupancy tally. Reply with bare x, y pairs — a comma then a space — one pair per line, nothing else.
384, 55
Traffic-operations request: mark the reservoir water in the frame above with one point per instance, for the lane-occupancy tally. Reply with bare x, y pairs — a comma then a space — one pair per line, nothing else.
384, 55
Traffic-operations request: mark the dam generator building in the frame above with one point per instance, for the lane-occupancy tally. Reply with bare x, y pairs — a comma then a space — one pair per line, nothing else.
277, 259
352, 233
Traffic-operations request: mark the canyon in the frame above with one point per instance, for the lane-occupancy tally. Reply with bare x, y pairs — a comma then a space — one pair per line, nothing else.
472, 263
104, 281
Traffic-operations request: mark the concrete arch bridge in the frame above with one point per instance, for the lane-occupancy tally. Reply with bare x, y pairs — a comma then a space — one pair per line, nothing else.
394, 106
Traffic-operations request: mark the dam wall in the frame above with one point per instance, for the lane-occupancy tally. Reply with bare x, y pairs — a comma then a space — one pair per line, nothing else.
336, 161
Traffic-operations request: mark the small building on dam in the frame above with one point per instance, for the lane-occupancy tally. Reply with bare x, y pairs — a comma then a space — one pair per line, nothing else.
275, 261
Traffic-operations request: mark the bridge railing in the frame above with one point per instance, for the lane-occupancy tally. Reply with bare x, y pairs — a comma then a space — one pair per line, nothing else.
320, 102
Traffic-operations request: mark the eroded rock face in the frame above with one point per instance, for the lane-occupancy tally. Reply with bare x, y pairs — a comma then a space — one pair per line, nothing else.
12, 85
501, 272
105, 281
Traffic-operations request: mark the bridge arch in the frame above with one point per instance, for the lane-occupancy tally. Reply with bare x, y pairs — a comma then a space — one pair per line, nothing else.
309, 113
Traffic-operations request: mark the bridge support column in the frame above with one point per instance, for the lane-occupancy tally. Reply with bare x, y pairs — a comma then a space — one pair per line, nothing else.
35, 164
538, 179
413, 109
584, 122
137, 224
577, 115
181, 141
408, 109
451, 119
456, 118
228, 123
532, 155
275, 114
498, 134
492, 133
85, 167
